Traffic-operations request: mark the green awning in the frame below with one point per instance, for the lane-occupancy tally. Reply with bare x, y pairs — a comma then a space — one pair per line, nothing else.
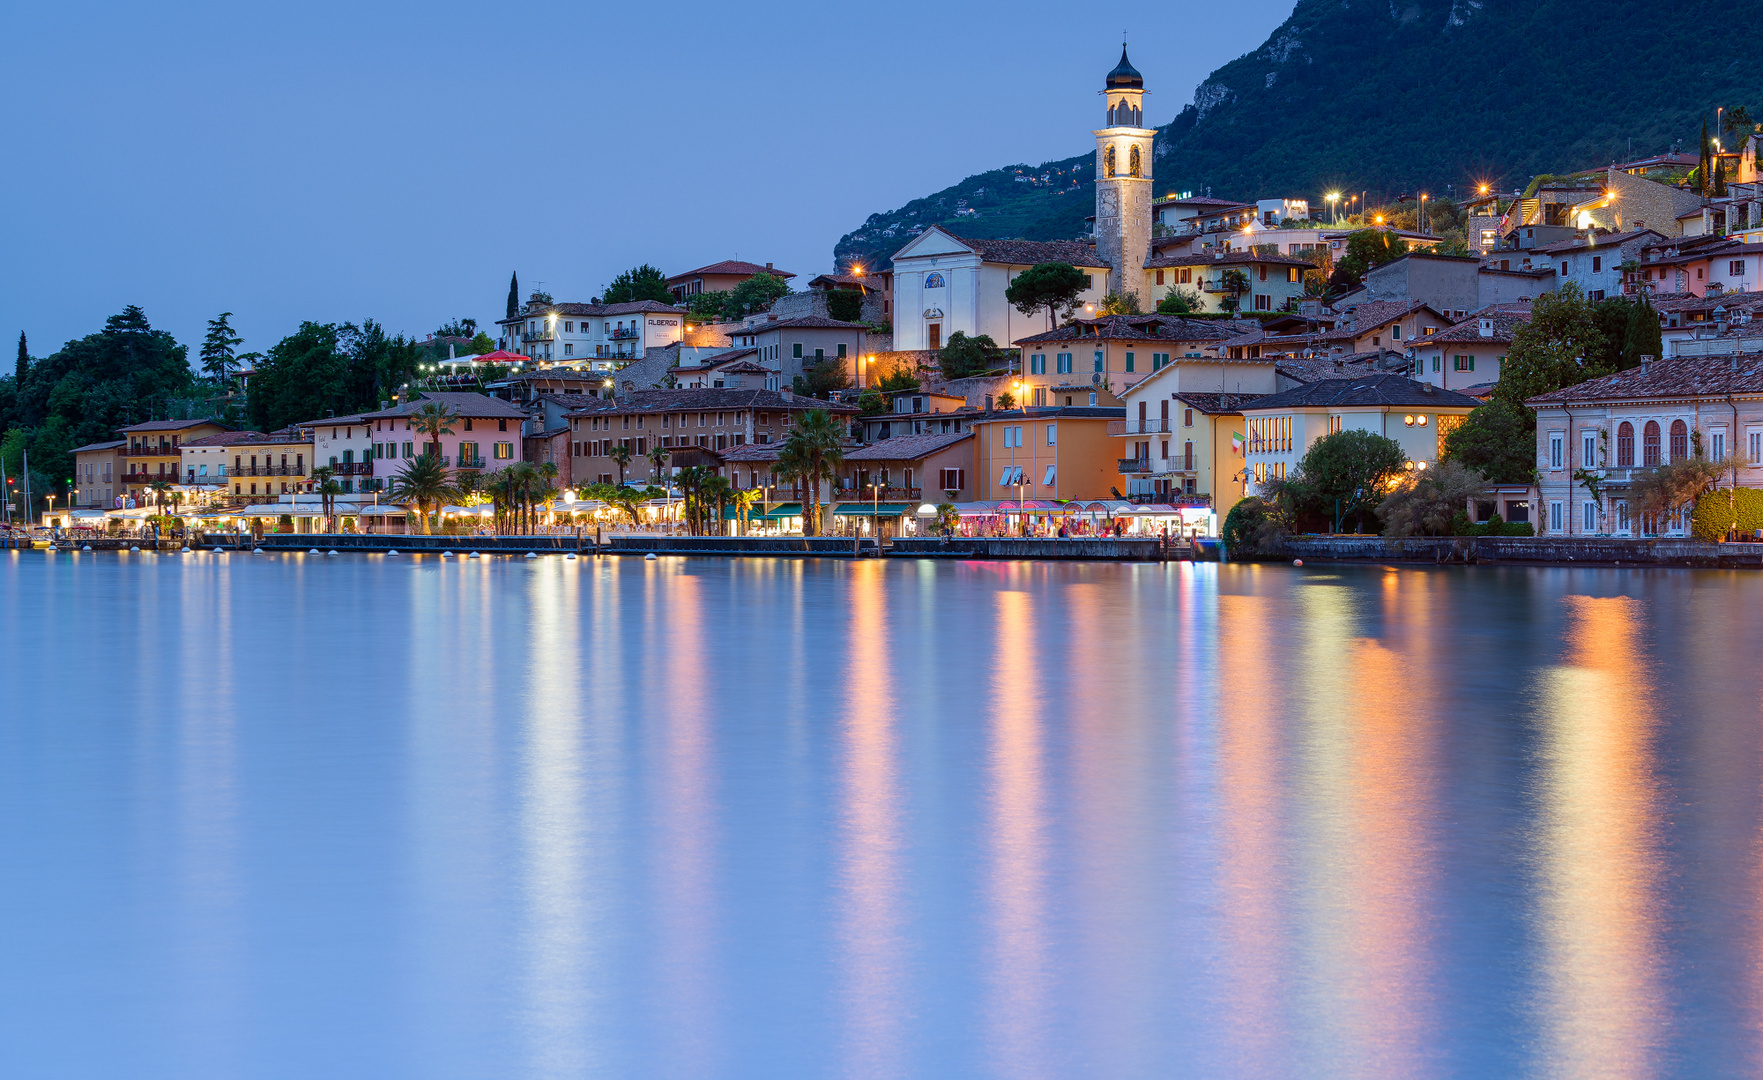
782, 510
872, 510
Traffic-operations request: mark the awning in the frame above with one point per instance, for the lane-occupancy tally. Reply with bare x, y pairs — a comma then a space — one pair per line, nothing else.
783, 510
874, 510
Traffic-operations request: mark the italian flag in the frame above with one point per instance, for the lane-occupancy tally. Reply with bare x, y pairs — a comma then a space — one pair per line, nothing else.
1236, 442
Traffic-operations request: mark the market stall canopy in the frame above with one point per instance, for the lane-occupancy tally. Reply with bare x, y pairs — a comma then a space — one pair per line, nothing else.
874, 510
781, 511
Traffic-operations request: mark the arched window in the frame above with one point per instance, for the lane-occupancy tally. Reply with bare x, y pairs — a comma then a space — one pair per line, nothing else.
1108, 162
1650, 444
1625, 446
1680, 441
1132, 162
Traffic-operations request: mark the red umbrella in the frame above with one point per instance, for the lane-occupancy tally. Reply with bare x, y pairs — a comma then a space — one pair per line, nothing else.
501, 356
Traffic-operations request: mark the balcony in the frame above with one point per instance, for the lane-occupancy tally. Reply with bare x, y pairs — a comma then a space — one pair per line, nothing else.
192, 480
886, 494
352, 468
1138, 427
623, 335
543, 335
144, 450
470, 463
268, 470
1135, 465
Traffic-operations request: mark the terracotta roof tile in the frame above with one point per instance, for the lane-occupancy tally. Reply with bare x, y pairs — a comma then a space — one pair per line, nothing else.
906, 447
1366, 390
1672, 377
732, 266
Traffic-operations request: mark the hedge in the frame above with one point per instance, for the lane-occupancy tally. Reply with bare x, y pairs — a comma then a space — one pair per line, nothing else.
1713, 513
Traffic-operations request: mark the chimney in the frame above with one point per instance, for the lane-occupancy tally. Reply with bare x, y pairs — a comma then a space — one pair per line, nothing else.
1735, 361
450, 355
625, 391
1646, 362
1487, 328
1427, 387
768, 266
787, 394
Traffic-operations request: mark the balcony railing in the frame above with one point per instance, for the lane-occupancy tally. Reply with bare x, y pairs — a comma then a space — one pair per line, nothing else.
270, 470
1138, 427
541, 336
470, 463
1135, 465
144, 450
352, 468
887, 494
622, 335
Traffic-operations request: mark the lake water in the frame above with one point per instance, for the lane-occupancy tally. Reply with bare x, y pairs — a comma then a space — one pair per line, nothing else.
286, 816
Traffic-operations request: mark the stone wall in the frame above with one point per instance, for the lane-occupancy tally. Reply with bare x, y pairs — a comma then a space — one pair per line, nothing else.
1524, 549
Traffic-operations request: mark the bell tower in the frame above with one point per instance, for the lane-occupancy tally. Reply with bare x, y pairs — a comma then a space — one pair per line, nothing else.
1123, 181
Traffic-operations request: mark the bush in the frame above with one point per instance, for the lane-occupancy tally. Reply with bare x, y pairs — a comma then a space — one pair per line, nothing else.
285, 523
845, 305
1714, 513
1253, 529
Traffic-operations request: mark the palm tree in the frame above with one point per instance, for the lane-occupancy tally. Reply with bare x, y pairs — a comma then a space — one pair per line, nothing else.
744, 500
691, 482
321, 479
424, 481
161, 494
658, 458
812, 452
621, 456
434, 419
716, 490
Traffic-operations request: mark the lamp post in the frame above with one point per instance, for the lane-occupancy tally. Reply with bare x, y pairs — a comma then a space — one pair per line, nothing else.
1334, 210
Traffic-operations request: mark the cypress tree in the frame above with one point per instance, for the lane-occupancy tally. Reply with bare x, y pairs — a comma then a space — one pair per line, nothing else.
24, 359
514, 294
1643, 337
1705, 167
1719, 178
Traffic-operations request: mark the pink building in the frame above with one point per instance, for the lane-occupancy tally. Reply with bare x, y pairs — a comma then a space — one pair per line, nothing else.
486, 435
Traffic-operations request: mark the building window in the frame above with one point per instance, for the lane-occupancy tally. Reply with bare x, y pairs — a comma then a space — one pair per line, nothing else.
1064, 362
1625, 446
1050, 439
1129, 361
1100, 364
1132, 167
1554, 449
1463, 363
1037, 364
504, 451
1650, 444
1554, 517
1755, 439
1591, 517
1718, 444
1590, 454
1108, 163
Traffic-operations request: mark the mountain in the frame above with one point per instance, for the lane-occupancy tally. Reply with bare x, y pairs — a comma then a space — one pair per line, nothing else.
1390, 96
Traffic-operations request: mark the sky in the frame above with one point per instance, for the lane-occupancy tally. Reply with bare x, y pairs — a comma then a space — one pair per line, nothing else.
334, 161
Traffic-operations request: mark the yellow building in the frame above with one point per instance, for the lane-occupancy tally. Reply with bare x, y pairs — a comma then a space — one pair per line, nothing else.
154, 453
1054, 452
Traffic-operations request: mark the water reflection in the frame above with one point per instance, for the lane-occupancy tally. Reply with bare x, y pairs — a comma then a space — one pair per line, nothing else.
1601, 1001
678, 636
1253, 922
1018, 994
553, 819
869, 874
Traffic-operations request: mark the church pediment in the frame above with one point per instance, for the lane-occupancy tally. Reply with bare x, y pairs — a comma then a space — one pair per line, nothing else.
930, 242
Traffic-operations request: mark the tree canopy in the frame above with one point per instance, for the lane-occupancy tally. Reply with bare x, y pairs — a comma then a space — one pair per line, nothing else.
963, 356
754, 295
1560, 346
513, 295
1495, 440
1368, 249
643, 282
1345, 475
219, 361
1054, 286
329, 367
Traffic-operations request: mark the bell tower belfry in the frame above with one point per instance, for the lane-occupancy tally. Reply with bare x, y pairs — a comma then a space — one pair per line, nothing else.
1123, 181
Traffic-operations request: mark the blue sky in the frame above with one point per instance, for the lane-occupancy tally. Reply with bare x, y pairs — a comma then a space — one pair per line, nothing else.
337, 161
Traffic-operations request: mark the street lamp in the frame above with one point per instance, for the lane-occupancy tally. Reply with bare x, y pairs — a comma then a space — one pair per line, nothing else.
1334, 198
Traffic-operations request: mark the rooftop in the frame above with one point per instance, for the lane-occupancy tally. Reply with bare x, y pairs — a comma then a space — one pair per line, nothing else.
906, 447
1671, 377
701, 399
464, 404
1133, 328
1374, 391
169, 425
731, 266
1469, 330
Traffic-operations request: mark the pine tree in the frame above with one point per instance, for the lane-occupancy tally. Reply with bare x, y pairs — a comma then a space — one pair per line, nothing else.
218, 359
24, 359
514, 294
1720, 178
1643, 337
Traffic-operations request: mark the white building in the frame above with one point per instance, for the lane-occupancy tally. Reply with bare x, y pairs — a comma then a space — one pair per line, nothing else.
595, 336
944, 284
345, 443
1282, 426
